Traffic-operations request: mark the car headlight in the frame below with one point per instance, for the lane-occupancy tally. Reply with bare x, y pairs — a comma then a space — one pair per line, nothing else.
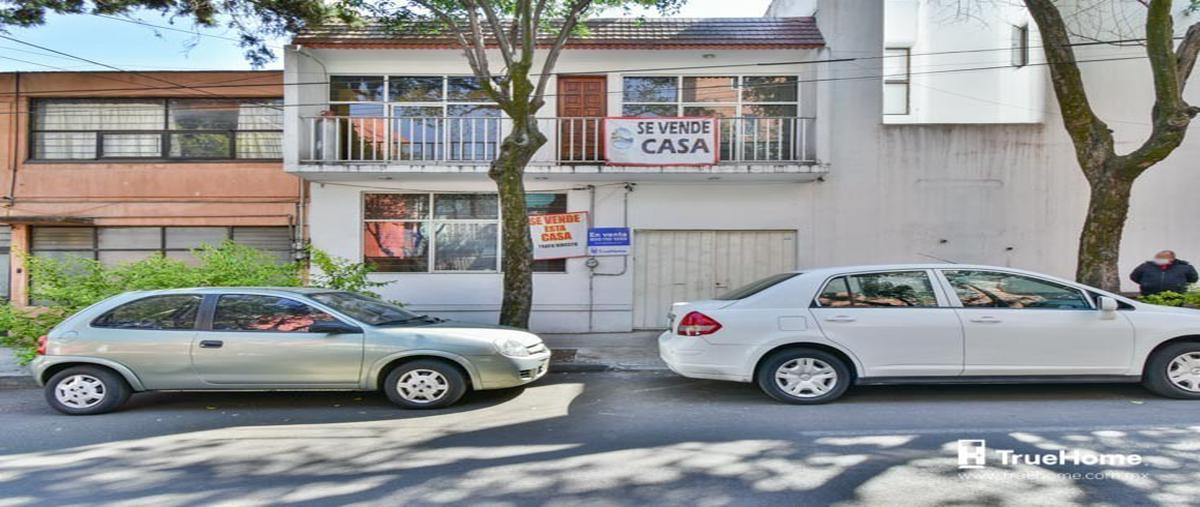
511, 347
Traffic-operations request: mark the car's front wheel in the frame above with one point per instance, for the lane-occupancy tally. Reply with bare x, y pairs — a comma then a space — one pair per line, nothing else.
1174, 371
804, 376
425, 383
86, 390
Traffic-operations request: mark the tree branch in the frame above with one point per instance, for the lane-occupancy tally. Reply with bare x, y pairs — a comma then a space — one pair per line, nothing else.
1091, 137
481, 67
1170, 68
1185, 54
502, 40
569, 22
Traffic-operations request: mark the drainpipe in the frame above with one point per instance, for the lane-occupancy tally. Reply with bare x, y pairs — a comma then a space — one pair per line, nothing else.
592, 263
14, 141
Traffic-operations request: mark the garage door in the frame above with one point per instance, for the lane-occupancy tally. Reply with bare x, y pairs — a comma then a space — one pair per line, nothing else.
670, 266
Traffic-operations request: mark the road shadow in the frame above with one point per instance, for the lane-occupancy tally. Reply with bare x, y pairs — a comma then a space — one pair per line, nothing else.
607, 439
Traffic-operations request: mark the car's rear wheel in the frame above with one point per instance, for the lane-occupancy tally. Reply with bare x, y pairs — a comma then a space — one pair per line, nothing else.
804, 376
1174, 371
425, 383
86, 390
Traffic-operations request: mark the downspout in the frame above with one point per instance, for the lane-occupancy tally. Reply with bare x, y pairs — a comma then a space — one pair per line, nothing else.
592, 262
14, 140
302, 205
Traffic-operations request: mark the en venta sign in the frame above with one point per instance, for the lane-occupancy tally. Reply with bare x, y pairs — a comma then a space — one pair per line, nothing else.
661, 141
559, 235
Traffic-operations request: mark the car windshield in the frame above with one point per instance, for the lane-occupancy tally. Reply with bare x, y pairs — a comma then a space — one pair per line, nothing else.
753, 288
369, 310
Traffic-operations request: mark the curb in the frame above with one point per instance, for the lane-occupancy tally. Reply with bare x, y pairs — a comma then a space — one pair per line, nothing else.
601, 367
16, 382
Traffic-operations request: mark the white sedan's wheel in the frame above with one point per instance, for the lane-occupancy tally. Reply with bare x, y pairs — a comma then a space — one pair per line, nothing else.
803, 376
1184, 371
422, 386
806, 377
80, 391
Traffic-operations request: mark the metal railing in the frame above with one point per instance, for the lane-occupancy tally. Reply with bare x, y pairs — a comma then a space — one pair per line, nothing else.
476, 140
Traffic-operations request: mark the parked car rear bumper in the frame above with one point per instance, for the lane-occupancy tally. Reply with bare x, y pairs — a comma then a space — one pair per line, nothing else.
695, 358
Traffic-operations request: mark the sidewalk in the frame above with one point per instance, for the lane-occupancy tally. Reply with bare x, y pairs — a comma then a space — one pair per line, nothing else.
605, 351
11, 374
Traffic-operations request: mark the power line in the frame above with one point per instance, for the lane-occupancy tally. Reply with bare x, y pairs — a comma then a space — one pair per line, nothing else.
105, 65
174, 29
653, 69
699, 104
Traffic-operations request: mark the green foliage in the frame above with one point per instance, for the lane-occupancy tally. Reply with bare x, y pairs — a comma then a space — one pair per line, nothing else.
62, 287
342, 274
1190, 298
22, 328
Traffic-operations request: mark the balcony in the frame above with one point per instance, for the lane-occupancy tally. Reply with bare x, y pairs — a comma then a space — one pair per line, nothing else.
341, 144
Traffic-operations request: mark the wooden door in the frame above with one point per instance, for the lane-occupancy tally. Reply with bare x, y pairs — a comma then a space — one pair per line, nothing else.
582, 106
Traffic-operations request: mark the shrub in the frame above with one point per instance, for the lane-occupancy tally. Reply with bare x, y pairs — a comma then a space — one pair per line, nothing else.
1191, 298
342, 274
61, 287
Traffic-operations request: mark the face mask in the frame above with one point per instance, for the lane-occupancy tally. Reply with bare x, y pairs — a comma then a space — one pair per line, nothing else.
1161, 261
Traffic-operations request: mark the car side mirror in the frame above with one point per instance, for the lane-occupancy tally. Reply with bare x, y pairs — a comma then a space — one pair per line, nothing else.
333, 327
1108, 305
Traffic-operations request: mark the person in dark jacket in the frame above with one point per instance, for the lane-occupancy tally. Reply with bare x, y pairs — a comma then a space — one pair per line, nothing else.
1164, 273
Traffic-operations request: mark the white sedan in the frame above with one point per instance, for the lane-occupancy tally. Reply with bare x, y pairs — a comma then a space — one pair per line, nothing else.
806, 337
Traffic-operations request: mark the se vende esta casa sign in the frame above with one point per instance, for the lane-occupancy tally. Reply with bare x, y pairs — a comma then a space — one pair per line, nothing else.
661, 141
559, 235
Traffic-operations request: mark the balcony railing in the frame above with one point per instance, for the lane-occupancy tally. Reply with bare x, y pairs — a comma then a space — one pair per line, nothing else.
433, 140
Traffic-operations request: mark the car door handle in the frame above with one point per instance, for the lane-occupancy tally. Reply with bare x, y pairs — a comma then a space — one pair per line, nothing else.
840, 318
986, 320
211, 344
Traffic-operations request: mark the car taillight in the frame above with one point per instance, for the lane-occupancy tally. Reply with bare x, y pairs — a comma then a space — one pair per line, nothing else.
697, 324
41, 350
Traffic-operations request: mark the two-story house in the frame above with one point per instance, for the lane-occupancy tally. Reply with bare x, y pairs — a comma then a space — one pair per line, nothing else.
116, 166
396, 138
851, 131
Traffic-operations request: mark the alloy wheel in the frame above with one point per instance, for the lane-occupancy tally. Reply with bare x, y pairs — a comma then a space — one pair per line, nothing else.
422, 386
80, 391
1184, 371
806, 377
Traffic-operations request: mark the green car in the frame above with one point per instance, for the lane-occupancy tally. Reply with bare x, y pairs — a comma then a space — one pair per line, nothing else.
274, 339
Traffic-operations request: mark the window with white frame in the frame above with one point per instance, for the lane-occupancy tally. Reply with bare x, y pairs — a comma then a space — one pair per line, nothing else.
443, 232
896, 75
759, 113
414, 118
155, 129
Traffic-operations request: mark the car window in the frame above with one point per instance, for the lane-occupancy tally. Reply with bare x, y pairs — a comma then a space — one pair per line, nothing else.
893, 289
755, 287
248, 312
991, 289
155, 312
836, 294
371, 311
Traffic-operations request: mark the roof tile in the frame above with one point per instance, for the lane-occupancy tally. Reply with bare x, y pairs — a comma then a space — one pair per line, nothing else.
602, 33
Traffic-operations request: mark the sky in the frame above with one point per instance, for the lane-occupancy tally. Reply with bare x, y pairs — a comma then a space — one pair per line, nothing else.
129, 46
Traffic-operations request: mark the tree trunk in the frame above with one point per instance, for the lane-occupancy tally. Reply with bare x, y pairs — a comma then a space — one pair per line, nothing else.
1100, 241
508, 171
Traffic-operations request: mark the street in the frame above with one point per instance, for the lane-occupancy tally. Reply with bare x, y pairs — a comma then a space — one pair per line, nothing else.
600, 439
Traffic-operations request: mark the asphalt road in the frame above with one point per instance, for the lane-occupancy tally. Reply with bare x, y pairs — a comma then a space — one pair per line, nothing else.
602, 439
